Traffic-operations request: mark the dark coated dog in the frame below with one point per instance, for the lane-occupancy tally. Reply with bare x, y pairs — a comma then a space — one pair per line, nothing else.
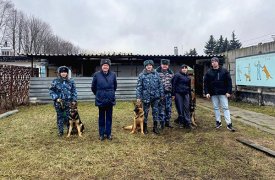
75, 124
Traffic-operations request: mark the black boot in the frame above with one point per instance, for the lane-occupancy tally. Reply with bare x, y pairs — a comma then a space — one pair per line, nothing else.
155, 128
162, 125
145, 130
167, 124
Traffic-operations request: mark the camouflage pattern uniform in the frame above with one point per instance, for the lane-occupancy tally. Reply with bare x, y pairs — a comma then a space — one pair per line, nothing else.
149, 90
165, 105
64, 89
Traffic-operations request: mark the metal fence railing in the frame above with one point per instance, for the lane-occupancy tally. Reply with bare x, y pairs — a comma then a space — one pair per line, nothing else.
39, 89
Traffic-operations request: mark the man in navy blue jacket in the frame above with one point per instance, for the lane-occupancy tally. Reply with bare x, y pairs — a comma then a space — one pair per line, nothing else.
104, 85
218, 87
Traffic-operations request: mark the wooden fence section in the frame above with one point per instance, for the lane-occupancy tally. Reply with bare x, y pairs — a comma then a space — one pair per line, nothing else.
14, 85
39, 89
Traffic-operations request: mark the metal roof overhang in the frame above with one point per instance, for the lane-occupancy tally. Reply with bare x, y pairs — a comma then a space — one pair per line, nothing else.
121, 58
65, 59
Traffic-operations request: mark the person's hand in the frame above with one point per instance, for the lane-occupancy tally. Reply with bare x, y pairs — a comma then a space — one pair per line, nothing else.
227, 95
60, 102
207, 96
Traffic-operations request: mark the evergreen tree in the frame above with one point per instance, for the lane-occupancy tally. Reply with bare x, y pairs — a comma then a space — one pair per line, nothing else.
210, 45
219, 46
191, 52
226, 45
234, 42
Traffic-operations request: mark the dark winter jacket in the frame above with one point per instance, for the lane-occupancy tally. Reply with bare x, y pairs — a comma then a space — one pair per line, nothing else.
217, 82
181, 84
63, 88
166, 79
149, 86
104, 87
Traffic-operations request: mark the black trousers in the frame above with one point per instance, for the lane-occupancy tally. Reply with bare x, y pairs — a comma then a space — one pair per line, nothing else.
183, 108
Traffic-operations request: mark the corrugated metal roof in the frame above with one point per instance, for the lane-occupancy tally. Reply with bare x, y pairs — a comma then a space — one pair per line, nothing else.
121, 55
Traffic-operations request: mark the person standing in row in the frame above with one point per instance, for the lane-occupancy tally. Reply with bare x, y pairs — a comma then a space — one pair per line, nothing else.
149, 90
104, 85
165, 105
62, 92
218, 87
182, 94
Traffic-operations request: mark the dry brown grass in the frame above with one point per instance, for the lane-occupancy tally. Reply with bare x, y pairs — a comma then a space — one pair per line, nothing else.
31, 149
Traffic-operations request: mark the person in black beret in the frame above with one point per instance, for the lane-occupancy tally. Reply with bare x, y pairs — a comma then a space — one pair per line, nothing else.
104, 85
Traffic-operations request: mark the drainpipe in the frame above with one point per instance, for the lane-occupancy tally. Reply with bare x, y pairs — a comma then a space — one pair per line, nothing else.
260, 96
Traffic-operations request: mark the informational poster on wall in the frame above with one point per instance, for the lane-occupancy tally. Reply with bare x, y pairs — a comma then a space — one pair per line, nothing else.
258, 70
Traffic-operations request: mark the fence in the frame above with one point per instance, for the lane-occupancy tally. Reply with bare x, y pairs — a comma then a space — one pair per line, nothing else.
14, 85
39, 89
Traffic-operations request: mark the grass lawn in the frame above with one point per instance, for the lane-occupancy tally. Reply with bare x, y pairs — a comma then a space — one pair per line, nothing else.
31, 149
268, 110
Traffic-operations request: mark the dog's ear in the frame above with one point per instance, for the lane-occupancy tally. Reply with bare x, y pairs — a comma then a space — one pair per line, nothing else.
73, 103
139, 103
134, 102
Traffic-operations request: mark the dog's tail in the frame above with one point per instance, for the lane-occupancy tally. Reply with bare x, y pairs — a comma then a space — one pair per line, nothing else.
128, 127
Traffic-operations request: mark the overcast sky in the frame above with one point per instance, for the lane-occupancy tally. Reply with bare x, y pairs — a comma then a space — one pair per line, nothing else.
153, 26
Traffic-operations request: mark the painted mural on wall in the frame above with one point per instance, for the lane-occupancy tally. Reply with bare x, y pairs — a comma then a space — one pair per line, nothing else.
256, 70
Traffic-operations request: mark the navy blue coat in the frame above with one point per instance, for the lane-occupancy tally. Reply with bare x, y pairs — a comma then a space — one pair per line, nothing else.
181, 84
217, 82
104, 87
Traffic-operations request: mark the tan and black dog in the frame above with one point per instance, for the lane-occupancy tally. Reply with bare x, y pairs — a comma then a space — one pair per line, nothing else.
138, 119
193, 108
75, 124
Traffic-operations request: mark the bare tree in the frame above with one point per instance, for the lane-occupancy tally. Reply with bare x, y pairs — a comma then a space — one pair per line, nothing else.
21, 21
12, 27
25, 36
5, 8
30, 34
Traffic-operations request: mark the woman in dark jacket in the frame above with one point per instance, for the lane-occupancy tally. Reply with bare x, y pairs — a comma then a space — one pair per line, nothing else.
104, 85
182, 94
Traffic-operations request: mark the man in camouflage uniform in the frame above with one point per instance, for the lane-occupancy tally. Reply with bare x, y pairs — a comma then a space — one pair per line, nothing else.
165, 105
149, 91
62, 92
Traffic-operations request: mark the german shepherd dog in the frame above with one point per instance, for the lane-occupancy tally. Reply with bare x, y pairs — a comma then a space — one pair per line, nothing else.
75, 124
192, 110
138, 119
